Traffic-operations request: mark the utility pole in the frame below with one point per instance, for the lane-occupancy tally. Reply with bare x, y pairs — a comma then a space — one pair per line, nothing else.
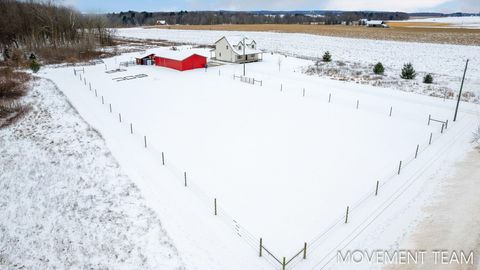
460, 93
244, 58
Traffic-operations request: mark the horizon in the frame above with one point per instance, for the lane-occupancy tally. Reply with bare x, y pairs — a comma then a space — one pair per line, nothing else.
407, 6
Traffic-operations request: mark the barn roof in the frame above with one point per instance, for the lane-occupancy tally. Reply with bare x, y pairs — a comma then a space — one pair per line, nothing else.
375, 22
176, 55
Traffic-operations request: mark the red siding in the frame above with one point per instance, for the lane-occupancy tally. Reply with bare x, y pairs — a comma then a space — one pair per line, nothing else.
191, 62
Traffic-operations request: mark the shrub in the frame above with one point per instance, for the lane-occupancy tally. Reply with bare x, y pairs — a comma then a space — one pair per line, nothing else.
378, 68
327, 57
428, 78
34, 66
408, 72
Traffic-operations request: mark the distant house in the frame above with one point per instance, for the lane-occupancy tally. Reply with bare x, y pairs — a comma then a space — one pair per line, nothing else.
376, 24
161, 22
236, 49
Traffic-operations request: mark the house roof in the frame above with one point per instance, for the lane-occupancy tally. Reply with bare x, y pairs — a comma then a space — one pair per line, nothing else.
235, 40
247, 51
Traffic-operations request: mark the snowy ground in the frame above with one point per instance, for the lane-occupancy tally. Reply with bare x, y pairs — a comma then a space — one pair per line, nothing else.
354, 58
65, 202
282, 166
462, 22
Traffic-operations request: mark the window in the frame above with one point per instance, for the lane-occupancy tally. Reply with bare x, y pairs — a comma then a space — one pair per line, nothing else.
239, 57
226, 47
239, 47
219, 54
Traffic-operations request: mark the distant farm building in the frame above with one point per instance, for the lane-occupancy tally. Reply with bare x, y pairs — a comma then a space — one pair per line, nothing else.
376, 24
161, 22
236, 49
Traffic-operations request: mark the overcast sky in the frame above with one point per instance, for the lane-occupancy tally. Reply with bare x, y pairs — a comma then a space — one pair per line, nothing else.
175, 5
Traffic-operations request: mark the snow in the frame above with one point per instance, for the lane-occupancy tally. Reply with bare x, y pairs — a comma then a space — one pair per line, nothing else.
64, 201
463, 22
179, 54
282, 166
444, 60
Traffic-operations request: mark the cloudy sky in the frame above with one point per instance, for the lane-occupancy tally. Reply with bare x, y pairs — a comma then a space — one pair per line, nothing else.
175, 5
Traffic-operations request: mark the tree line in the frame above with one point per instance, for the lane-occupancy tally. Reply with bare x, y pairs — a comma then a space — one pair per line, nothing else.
134, 18
37, 25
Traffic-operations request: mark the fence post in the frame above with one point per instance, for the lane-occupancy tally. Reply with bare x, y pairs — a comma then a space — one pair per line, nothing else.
281, 87
305, 250
399, 167
261, 247
163, 159
131, 128
303, 91
261, 83
103, 101
329, 97
416, 151
110, 107
84, 81
90, 86
429, 118
376, 188
446, 124
80, 76
358, 103
391, 109
185, 178
443, 125
346, 215
215, 205
145, 140
119, 117
284, 264
96, 93
430, 141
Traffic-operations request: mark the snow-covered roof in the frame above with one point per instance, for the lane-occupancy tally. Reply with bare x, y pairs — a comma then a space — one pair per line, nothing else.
235, 40
247, 51
176, 55
374, 22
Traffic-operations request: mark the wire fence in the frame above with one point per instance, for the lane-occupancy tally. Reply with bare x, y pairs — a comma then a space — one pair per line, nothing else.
211, 202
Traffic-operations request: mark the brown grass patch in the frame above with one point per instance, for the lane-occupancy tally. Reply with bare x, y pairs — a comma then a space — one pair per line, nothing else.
13, 86
398, 33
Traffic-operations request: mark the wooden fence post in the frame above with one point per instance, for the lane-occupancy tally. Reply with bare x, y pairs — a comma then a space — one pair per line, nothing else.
103, 101
376, 188
303, 91
329, 97
416, 151
90, 86
145, 140
391, 109
429, 118
110, 107
96, 93
305, 250
399, 167
284, 264
261, 247
446, 124
215, 205
131, 128
119, 117
281, 87
430, 141
346, 215
163, 159
358, 103
185, 178
443, 125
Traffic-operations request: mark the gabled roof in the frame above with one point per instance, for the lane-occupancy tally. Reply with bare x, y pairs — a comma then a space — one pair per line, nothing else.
374, 22
176, 55
235, 40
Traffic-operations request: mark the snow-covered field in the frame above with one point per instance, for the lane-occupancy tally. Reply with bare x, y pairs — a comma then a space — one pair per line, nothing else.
445, 61
462, 22
282, 166
64, 201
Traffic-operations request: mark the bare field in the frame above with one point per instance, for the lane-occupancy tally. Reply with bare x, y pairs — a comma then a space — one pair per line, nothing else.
398, 33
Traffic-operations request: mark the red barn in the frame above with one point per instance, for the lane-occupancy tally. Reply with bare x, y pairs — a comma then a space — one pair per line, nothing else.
180, 60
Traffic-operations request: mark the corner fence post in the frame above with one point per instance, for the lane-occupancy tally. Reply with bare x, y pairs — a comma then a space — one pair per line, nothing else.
284, 264
215, 206
446, 124
376, 188
399, 167
443, 126
346, 215
185, 178
261, 247
305, 250
416, 151
163, 159
429, 118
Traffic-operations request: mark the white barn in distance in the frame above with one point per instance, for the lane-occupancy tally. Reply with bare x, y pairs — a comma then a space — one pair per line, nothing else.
232, 49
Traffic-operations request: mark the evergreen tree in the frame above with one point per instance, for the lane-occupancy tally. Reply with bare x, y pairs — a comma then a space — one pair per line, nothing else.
378, 68
428, 79
408, 72
34, 66
327, 57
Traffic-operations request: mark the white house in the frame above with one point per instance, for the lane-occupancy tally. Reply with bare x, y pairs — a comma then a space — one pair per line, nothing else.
377, 24
236, 49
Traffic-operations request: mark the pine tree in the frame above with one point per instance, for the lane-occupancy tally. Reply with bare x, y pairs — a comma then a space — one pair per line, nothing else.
327, 57
428, 78
34, 66
408, 72
378, 68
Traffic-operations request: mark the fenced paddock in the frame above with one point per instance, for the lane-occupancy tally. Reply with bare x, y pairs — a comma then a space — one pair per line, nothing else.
289, 158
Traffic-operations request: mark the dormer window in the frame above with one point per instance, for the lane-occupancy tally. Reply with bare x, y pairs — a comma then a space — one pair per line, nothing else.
226, 47
239, 47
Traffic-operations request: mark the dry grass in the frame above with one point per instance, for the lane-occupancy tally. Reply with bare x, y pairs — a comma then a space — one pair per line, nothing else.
69, 55
398, 33
13, 86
